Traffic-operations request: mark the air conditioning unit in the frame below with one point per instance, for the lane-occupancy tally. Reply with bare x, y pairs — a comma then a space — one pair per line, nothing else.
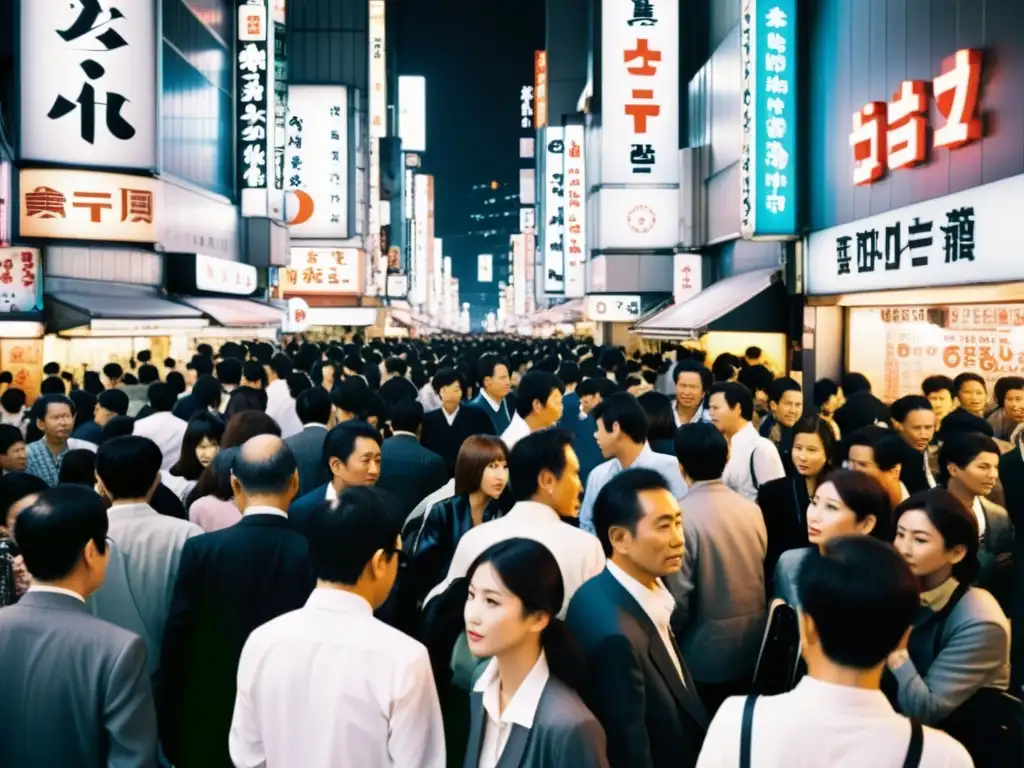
693, 210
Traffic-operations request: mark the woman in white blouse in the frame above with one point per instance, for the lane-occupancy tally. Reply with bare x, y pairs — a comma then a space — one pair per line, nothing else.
524, 712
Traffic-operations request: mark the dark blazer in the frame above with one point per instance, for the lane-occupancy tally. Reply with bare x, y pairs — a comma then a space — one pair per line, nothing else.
584, 443
410, 471
86, 679
308, 448
301, 510
912, 472
651, 717
90, 432
445, 440
565, 734
166, 502
860, 410
500, 418
1011, 474
229, 582
783, 503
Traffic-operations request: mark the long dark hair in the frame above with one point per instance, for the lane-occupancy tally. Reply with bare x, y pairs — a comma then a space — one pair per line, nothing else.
216, 479
954, 522
202, 426
530, 572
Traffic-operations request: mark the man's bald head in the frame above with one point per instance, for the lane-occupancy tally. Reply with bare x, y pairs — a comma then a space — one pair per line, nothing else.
264, 466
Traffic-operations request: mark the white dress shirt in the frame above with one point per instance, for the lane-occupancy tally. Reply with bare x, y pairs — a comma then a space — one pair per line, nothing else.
699, 416
767, 463
281, 408
516, 430
852, 728
249, 511
579, 555
329, 685
520, 710
657, 603
166, 430
450, 417
56, 591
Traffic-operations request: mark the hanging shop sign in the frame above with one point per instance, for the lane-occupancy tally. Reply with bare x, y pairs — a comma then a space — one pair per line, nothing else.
88, 83
613, 309
485, 267
412, 112
637, 218
83, 205
397, 286
526, 107
952, 240
378, 72
540, 89
317, 163
221, 276
21, 280
769, 171
296, 318
253, 107
894, 135
527, 218
554, 210
334, 271
688, 276
575, 232
195, 222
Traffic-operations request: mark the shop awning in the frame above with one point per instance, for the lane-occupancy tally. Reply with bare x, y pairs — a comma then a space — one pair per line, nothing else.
103, 309
235, 313
692, 318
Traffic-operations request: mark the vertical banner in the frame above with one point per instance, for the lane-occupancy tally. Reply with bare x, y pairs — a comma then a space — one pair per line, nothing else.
768, 41
540, 89
575, 237
485, 268
378, 72
253, 98
431, 243
554, 214
279, 75
517, 243
420, 271
688, 276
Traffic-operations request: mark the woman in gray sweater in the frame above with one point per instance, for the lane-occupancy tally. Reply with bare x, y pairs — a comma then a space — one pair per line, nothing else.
960, 641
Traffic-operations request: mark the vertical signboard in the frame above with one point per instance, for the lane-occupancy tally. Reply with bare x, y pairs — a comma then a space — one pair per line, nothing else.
554, 216
317, 160
253, 102
412, 113
378, 72
433, 246
485, 268
88, 83
574, 240
688, 276
540, 89
420, 271
279, 91
768, 41
517, 243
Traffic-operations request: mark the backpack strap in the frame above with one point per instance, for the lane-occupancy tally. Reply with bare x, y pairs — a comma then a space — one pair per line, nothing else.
747, 732
916, 747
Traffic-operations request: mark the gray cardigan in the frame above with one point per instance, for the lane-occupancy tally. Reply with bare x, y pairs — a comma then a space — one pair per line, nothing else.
974, 653
564, 734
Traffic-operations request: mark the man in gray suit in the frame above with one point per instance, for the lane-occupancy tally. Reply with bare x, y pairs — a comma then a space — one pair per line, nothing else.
316, 412
91, 702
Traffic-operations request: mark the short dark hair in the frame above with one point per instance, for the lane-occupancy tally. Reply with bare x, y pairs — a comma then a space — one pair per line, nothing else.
960, 421
13, 399
864, 496
596, 385
963, 378
128, 466
50, 369
618, 503
148, 374
344, 537
119, 426
229, 370
352, 395
735, 394
208, 391
753, 353
689, 365
281, 365
475, 455
534, 386
267, 475
114, 400
10, 436
756, 378
41, 405
53, 532
623, 409
113, 371
906, 405
162, 397
396, 366
960, 449
854, 382
314, 406
201, 364
1004, 385
78, 466
702, 451
341, 440
245, 399
487, 363
823, 390
862, 597
538, 451
407, 415
955, 523
569, 372
53, 385
933, 384
884, 443
15, 486
253, 370
813, 424
778, 388
445, 377
661, 423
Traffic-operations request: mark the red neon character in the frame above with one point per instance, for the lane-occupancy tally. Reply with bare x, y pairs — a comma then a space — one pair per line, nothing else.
956, 95
645, 54
908, 125
868, 142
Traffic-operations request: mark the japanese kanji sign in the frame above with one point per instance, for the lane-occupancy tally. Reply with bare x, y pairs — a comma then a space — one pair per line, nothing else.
540, 89
82, 205
891, 136
553, 224
613, 309
88, 82
378, 72
323, 271
254, 111
223, 276
966, 237
317, 161
688, 276
574, 207
769, 171
640, 91
21, 280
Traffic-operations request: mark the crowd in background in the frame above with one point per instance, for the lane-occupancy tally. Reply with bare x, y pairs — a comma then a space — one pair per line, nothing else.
501, 552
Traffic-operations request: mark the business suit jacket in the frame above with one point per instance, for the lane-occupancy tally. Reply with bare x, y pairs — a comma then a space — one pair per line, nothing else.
445, 440
229, 582
1011, 474
308, 449
500, 418
860, 410
565, 734
410, 471
75, 689
996, 555
783, 504
301, 510
651, 717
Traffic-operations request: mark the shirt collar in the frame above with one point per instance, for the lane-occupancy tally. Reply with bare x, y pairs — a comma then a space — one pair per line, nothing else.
400, 432
657, 603
542, 512
56, 591
313, 424
130, 510
495, 405
265, 511
935, 599
747, 434
522, 709
847, 697
450, 417
332, 494
338, 600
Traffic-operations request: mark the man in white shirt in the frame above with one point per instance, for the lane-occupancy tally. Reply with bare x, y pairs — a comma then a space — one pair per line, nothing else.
280, 403
353, 691
753, 460
622, 437
857, 601
163, 427
544, 474
692, 382
538, 406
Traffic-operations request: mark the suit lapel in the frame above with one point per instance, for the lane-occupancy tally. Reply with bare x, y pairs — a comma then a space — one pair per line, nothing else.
515, 748
476, 730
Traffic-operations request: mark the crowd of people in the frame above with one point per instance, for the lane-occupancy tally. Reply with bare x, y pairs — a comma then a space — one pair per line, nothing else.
495, 552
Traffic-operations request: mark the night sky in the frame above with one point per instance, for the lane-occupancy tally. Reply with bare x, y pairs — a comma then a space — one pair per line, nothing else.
476, 56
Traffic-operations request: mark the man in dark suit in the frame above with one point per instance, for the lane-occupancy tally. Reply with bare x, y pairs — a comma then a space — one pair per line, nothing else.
861, 408
92, 705
407, 469
316, 412
230, 582
639, 687
495, 384
1011, 473
445, 429
352, 457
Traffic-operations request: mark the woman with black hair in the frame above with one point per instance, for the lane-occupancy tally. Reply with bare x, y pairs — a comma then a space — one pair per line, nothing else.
524, 710
199, 446
960, 641
661, 424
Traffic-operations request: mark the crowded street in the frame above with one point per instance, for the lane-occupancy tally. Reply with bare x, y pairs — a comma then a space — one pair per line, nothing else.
526, 384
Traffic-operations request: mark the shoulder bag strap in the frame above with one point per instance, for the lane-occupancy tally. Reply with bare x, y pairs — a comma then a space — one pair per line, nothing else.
913, 759
747, 734
958, 593
753, 474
